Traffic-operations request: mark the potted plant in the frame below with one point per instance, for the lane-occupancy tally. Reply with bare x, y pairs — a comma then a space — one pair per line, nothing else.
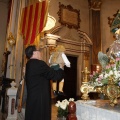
62, 106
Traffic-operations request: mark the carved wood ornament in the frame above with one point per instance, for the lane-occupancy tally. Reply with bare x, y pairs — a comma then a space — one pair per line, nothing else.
68, 16
95, 4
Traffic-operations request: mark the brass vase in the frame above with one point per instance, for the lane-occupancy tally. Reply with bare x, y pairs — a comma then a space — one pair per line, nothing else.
111, 90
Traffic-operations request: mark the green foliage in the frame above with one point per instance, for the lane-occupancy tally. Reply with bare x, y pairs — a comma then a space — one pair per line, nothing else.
62, 112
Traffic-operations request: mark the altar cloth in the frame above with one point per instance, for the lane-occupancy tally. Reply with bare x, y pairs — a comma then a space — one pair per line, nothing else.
96, 110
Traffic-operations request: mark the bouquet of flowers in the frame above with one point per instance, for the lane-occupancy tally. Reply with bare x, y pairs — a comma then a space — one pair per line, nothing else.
111, 69
63, 107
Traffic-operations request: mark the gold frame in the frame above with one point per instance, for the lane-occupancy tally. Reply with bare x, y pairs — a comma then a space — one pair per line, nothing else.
68, 16
110, 20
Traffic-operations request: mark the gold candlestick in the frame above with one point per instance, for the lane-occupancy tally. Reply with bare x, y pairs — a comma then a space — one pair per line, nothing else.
86, 73
85, 87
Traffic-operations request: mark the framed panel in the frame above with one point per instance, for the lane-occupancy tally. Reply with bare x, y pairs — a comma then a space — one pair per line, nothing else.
68, 16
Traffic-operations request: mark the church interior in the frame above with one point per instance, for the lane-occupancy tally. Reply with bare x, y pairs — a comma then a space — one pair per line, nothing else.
83, 27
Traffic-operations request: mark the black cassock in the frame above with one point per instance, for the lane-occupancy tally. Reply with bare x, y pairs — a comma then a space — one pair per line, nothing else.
38, 76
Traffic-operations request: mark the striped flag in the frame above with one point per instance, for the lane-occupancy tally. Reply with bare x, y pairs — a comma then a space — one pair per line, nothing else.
33, 21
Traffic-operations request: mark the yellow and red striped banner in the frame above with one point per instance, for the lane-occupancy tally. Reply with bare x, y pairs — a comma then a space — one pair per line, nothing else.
33, 21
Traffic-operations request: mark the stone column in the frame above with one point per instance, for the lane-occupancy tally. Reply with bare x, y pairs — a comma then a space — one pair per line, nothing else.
12, 112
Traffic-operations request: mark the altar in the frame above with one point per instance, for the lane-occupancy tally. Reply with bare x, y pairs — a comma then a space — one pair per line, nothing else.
97, 110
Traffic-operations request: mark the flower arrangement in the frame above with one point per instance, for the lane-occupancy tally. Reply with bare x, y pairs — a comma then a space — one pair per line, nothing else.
63, 107
111, 69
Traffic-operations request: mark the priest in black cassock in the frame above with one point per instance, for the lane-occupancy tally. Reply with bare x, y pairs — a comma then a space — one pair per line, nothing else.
38, 76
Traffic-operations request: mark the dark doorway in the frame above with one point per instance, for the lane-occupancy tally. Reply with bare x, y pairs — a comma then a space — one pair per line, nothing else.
70, 78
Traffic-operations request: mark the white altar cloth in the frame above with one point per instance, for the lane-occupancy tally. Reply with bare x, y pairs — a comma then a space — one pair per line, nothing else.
96, 110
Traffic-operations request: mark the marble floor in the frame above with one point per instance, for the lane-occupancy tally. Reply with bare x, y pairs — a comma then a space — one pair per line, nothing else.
53, 114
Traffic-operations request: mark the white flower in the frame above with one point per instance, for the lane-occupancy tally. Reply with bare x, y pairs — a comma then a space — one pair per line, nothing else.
111, 70
116, 74
65, 102
57, 105
71, 99
63, 105
96, 79
111, 73
106, 75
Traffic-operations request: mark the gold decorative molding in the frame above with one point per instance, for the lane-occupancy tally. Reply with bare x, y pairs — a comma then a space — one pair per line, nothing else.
11, 39
95, 4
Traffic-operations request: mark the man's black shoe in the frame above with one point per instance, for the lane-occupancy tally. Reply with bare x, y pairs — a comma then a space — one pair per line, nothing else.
55, 93
61, 93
